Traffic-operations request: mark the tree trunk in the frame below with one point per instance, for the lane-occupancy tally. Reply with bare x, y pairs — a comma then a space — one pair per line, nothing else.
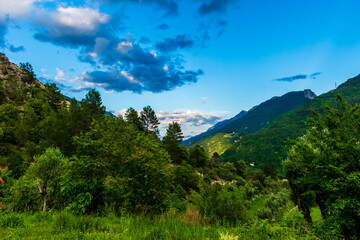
44, 203
42, 191
321, 204
304, 210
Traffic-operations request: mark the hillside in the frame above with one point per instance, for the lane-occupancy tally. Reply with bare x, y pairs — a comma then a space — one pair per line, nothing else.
271, 143
16, 83
214, 129
255, 119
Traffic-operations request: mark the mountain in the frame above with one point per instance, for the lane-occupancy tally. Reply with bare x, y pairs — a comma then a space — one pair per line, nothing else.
260, 116
214, 128
271, 143
221, 138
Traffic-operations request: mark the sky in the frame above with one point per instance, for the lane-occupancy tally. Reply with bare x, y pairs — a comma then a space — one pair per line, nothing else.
196, 62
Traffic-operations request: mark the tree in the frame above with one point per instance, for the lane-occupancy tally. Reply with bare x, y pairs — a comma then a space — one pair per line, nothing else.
47, 168
149, 120
29, 75
323, 167
174, 133
173, 137
53, 96
198, 156
92, 106
132, 164
133, 118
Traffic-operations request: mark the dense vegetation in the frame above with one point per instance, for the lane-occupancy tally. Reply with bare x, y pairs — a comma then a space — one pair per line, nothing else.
70, 171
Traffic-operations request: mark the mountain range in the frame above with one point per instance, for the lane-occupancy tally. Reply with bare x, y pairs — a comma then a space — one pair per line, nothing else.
219, 137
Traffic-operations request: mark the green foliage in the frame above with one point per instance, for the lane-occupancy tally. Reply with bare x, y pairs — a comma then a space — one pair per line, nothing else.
16, 164
149, 120
53, 96
133, 118
220, 205
323, 167
174, 133
29, 75
83, 197
186, 177
198, 157
173, 137
218, 142
135, 161
2, 95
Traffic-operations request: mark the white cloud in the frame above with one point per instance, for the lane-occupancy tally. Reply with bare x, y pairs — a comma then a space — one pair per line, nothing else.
82, 20
124, 47
188, 117
60, 75
16, 8
121, 112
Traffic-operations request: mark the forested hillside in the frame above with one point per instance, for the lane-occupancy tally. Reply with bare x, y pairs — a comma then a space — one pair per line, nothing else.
219, 139
271, 143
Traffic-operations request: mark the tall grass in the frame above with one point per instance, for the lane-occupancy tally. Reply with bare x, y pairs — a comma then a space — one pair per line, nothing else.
64, 225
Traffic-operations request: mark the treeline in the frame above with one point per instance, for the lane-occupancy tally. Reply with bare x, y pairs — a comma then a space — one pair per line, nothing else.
71, 155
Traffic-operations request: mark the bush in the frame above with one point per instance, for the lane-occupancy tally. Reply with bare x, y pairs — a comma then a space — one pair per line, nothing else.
264, 213
11, 220
220, 205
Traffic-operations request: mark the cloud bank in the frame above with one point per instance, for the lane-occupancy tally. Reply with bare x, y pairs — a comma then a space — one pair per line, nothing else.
187, 117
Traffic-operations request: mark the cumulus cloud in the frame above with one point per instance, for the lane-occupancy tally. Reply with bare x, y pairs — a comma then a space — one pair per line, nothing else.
298, 77
122, 64
72, 26
60, 75
187, 117
139, 79
172, 44
11, 11
215, 6
129, 67
16, 8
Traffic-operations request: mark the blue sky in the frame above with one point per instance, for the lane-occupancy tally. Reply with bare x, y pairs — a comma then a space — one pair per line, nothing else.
193, 61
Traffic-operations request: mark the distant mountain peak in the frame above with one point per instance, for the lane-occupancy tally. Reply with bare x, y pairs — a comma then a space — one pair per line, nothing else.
309, 94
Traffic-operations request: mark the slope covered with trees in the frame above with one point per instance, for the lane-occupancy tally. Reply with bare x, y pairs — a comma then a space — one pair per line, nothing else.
221, 138
271, 143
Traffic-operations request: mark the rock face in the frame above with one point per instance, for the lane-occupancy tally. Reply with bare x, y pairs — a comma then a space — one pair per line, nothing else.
15, 83
8, 69
309, 94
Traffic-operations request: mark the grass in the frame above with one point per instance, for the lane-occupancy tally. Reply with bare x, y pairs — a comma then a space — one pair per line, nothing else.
315, 214
256, 205
64, 225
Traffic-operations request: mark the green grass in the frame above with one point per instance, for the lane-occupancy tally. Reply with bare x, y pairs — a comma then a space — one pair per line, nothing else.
256, 205
64, 225
315, 214
215, 143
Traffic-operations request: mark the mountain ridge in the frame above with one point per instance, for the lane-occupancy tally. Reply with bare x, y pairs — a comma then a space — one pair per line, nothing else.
254, 119
271, 143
